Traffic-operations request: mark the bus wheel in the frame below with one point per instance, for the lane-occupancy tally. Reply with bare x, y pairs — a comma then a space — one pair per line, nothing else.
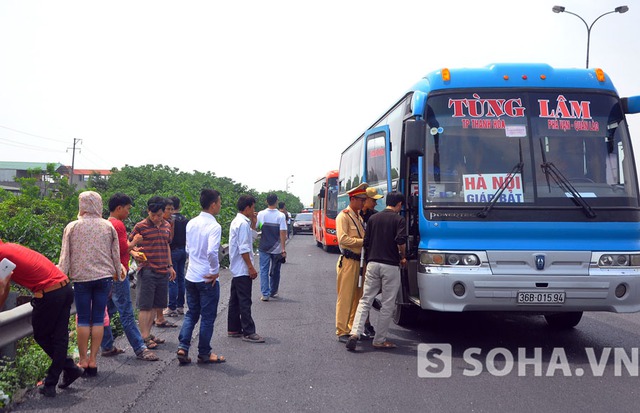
319, 244
563, 320
325, 247
405, 315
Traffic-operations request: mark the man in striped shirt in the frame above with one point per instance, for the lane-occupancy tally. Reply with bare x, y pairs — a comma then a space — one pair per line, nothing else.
157, 269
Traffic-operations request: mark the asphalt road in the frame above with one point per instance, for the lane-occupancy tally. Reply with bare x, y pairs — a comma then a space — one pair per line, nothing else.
302, 367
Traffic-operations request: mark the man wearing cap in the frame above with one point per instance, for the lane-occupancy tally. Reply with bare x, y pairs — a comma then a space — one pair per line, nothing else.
52, 299
370, 203
350, 231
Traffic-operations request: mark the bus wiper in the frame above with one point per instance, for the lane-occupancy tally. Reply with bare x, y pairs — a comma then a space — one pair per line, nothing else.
550, 169
504, 185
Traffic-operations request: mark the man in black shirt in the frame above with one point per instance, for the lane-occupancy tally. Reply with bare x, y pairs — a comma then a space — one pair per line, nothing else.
175, 306
385, 251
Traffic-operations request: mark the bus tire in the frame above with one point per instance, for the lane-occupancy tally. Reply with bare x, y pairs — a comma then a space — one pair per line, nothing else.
318, 244
325, 247
405, 315
563, 321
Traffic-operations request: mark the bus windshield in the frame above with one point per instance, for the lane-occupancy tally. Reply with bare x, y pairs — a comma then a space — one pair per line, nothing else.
332, 198
476, 139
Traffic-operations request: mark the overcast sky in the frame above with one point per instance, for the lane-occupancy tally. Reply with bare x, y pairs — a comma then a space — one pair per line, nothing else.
257, 91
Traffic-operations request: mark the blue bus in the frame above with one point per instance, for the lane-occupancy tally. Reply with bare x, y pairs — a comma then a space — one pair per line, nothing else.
521, 188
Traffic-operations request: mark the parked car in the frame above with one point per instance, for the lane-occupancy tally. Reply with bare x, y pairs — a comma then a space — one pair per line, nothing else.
303, 222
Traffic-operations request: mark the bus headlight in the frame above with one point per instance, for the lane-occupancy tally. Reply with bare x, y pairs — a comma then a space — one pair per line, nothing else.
449, 259
331, 231
618, 260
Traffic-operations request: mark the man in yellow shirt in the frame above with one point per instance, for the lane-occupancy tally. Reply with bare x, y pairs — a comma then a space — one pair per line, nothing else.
350, 233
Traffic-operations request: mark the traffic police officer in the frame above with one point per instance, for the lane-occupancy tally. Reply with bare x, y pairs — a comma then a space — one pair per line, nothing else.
350, 233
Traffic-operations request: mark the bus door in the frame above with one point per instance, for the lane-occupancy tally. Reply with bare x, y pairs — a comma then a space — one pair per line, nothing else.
378, 160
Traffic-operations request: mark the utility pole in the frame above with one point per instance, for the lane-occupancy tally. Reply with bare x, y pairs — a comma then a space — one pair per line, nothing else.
73, 157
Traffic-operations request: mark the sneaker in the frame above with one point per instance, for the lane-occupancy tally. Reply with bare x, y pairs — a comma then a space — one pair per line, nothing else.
180, 311
47, 391
343, 338
352, 342
274, 295
253, 338
69, 376
264, 298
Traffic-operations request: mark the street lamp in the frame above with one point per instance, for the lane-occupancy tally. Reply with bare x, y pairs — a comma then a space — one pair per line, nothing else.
287, 184
561, 9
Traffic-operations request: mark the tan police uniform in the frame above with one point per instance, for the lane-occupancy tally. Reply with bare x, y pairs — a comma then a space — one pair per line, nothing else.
350, 233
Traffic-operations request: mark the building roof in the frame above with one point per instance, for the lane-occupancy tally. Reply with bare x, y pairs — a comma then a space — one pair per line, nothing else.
28, 165
91, 171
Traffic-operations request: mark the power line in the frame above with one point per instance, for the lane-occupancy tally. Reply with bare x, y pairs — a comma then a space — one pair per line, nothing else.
30, 134
27, 146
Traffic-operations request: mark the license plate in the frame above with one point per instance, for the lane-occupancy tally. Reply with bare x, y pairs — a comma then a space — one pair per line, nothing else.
535, 297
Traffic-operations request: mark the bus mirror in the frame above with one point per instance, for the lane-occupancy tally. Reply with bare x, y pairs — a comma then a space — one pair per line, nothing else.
321, 193
631, 104
414, 137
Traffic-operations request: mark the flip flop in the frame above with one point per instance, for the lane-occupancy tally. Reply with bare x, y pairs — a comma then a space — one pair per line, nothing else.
211, 359
165, 324
113, 352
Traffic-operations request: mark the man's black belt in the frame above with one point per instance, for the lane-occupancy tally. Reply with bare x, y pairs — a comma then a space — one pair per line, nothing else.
351, 255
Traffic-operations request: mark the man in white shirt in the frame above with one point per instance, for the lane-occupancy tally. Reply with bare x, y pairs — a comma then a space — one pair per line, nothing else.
201, 281
241, 235
272, 223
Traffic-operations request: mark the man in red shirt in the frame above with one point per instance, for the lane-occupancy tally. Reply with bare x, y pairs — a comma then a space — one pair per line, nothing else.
52, 299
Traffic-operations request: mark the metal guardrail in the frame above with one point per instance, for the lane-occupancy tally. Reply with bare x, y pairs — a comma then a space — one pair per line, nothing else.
15, 324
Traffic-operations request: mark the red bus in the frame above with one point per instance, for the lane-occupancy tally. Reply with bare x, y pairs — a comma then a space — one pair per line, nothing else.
325, 210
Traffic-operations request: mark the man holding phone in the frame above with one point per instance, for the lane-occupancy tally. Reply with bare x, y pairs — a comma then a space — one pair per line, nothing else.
52, 299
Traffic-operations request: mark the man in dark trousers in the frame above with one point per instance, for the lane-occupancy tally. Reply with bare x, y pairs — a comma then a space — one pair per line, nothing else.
179, 259
52, 299
385, 252
242, 233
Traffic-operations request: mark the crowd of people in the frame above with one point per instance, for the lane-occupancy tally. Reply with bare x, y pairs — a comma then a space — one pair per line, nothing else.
93, 272
94, 265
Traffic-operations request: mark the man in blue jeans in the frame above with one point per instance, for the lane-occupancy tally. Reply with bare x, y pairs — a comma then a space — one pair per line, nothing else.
119, 207
273, 225
178, 259
201, 281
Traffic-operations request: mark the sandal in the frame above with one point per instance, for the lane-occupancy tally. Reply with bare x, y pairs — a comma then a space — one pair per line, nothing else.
165, 324
385, 345
183, 357
113, 352
211, 359
147, 355
150, 343
157, 340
